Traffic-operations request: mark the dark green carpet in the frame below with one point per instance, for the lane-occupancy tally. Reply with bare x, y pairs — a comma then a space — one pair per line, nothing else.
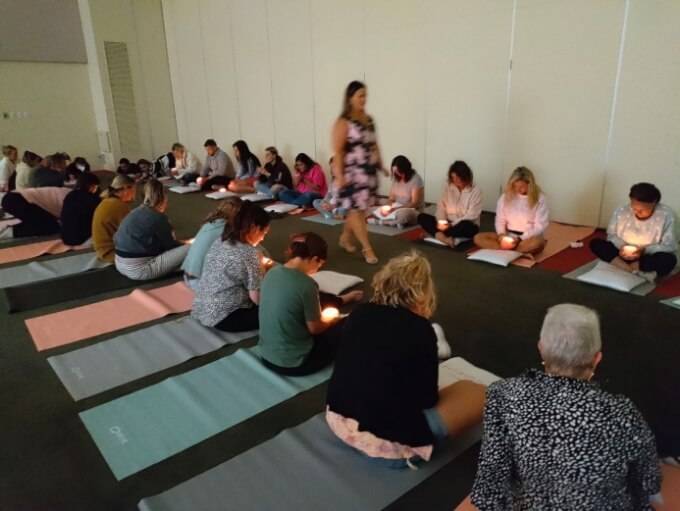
491, 315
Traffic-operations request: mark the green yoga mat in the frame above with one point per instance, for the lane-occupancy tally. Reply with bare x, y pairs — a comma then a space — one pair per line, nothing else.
138, 430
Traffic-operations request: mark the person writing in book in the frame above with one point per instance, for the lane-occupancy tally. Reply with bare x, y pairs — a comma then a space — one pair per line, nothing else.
521, 216
383, 397
407, 195
641, 235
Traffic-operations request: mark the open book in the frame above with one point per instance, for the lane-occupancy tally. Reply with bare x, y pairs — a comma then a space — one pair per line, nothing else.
457, 368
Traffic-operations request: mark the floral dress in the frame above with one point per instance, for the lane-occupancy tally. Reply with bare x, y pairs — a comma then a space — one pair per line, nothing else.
361, 160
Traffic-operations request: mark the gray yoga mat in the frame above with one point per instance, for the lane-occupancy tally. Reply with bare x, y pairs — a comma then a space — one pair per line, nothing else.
52, 268
137, 430
108, 364
320, 219
641, 290
385, 230
305, 467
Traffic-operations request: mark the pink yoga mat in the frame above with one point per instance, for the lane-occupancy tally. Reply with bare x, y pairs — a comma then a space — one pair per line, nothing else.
31, 250
558, 236
670, 490
98, 318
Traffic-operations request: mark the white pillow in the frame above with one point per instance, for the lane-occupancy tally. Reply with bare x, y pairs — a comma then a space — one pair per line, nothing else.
499, 257
280, 207
335, 283
256, 197
607, 275
192, 187
218, 195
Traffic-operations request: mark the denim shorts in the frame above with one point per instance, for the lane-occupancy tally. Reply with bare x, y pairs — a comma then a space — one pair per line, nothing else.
439, 431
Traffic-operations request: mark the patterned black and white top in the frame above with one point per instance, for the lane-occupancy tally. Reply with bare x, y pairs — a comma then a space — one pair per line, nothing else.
552, 442
361, 161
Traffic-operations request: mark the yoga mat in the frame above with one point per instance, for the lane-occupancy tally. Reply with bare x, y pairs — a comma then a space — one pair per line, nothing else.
191, 188
305, 467
319, 219
669, 287
387, 230
31, 250
42, 270
672, 302
98, 318
558, 237
108, 364
641, 290
135, 431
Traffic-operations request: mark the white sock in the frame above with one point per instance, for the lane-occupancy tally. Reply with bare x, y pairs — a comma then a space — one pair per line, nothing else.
443, 347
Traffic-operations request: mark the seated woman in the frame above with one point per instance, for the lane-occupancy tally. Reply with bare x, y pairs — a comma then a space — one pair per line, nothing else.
113, 208
26, 168
246, 169
641, 235
458, 209
275, 176
228, 291
554, 440
383, 397
78, 210
294, 339
38, 209
521, 216
213, 227
145, 244
309, 183
407, 195
75, 168
8, 168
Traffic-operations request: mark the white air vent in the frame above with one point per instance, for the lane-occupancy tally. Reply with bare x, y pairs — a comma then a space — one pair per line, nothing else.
122, 91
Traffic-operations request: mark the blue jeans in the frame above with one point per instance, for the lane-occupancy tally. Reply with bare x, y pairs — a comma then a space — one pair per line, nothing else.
303, 200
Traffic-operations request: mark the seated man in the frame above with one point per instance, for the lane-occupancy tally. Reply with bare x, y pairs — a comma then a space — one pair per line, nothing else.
51, 174
640, 236
186, 164
218, 169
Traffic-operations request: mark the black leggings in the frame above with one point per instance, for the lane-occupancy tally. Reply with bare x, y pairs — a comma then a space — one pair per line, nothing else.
322, 353
241, 320
463, 229
35, 221
661, 262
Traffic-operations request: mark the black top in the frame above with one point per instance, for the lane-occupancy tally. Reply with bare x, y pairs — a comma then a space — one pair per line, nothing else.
76, 216
559, 443
144, 232
386, 373
47, 177
279, 174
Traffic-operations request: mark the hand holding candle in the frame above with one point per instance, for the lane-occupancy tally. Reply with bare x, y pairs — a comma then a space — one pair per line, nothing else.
329, 314
200, 180
223, 189
442, 225
508, 242
629, 252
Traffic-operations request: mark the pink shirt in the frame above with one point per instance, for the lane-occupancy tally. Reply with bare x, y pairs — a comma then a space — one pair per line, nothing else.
50, 198
316, 176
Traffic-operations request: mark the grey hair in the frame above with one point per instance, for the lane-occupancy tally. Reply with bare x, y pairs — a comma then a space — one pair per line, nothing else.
570, 337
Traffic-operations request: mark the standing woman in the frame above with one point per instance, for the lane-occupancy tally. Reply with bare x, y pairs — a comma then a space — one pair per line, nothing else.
108, 216
146, 247
356, 161
246, 169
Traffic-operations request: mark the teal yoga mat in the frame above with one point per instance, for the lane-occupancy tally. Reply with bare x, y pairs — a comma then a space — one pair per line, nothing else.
49, 269
138, 430
88, 371
305, 467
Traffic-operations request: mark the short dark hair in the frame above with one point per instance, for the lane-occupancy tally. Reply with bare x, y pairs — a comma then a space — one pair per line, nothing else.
645, 192
85, 180
56, 158
249, 215
143, 161
307, 245
177, 146
404, 165
210, 142
123, 161
462, 170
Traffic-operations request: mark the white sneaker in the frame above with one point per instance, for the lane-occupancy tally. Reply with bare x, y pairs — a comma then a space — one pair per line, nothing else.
443, 347
6, 232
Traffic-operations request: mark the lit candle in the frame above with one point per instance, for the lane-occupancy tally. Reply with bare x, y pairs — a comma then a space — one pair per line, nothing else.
443, 223
190, 241
385, 210
223, 190
508, 239
329, 314
199, 181
267, 261
629, 250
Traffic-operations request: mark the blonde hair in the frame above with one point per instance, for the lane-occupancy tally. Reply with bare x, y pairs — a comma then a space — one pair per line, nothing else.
7, 150
523, 174
154, 193
406, 281
119, 183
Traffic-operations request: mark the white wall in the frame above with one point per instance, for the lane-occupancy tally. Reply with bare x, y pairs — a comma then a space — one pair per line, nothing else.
440, 88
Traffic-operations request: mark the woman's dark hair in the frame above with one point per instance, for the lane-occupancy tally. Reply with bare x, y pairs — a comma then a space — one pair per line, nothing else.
31, 159
307, 245
144, 162
249, 215
645, 192
405, 169
352, 88
244, 153
462, 170
85, 180
123, 161
305, 160
81, 161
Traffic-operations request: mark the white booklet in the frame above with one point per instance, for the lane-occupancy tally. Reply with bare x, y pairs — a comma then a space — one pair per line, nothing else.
457, 368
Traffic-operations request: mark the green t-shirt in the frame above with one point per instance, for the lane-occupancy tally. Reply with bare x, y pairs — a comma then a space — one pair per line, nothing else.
288, 299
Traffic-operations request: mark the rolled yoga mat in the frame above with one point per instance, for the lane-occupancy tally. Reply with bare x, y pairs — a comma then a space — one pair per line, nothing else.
52, 268
32, 250
108, 364
98, 318
305, 467
138, 430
